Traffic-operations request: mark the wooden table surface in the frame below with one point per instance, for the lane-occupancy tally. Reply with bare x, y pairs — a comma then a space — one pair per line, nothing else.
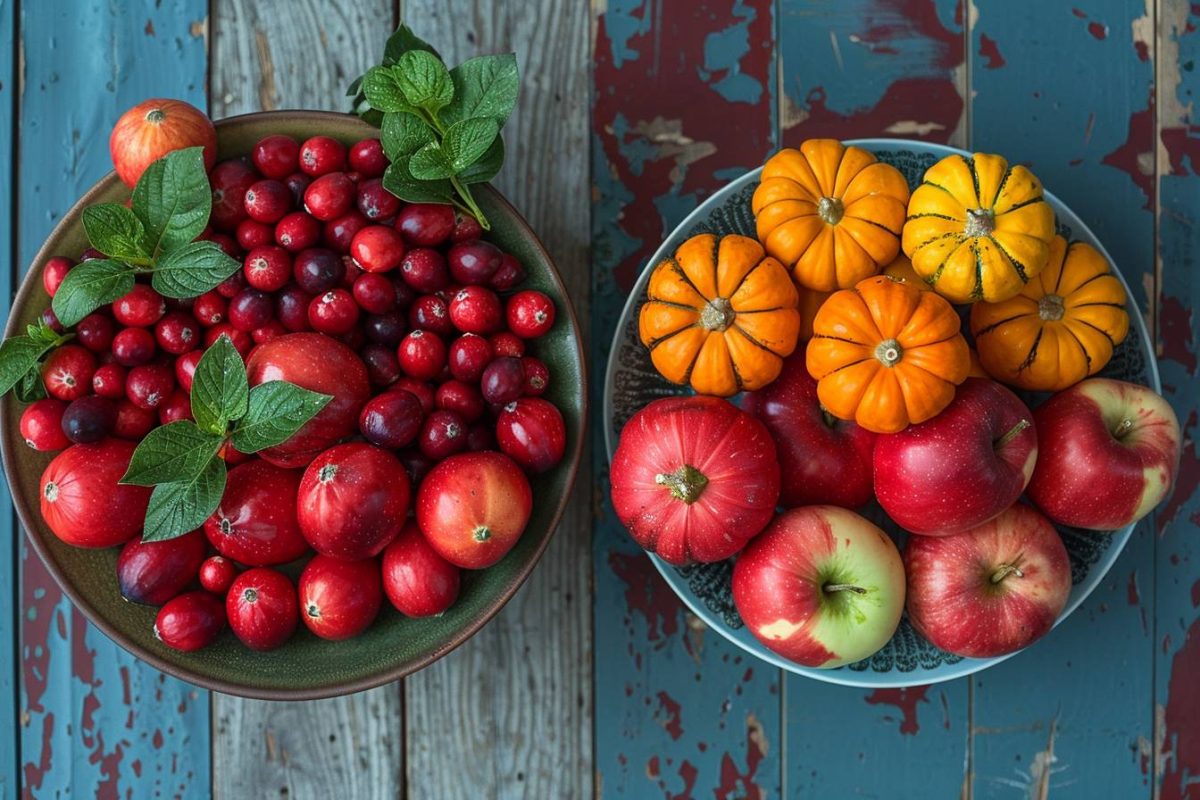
594, 681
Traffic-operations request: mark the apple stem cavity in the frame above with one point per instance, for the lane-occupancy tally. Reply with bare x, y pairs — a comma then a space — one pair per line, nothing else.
717, 315
327, 473
889, 352
1123, 428
686, 483
481, 533
843, 587
1004, 571
830, 210
1007, 438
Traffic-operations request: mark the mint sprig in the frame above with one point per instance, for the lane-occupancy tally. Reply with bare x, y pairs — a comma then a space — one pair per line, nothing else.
439, 127
181, 460
21, 360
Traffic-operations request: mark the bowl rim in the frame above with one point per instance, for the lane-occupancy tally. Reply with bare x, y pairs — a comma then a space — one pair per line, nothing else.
843, 675
27, 515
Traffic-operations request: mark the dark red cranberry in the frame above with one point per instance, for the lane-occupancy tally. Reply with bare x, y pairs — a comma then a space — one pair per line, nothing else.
377, 248
537, 376
149, 385
333, 312
133, 346
421, 390
180, 303
267, 332
291, 308
375, 202
250, 309
229, 181
474, 263
132, 422
140, 308
509, 275
469, 356
426, 224
355, 339
466, 228
424, 269
268, 268
387, 329
374, 293
481, 437
298, 231
530, 314
217, 573
67, 372
241, 339
190, 621
531, 432
318, 270
177, 332
228, 244
90, 254
210, 308
230, 287
321, 155
462, 398
383, 367
109, 381
95, 332
50, 320
392, 420
404, 293
443, 435
89, 419
251, 234
503, 381
507, 344
431, 313
176, 407
352, 272
268, 201
276, 156
422, 355
329, 196
298, 184
41, 425
476, 309
185, 368
340, 232
416, 464
53, 273
367, 158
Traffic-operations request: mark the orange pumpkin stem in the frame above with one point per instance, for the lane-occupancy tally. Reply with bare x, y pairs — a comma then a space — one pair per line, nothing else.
686, 483
980, 222
718, 315
830, 210
1051, 308
889, 352
1005, 570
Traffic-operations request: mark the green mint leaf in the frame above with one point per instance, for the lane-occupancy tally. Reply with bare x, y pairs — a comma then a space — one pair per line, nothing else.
177, 508
115, 231
19, 356
175, 452
30, 387
401, 42
423, 80
403, 134
430, 163
400, 182
381, 87
486, 167
192, 269
486, 86
466, 141
219, 388
41, 332
173, 199
276, 411
88, 286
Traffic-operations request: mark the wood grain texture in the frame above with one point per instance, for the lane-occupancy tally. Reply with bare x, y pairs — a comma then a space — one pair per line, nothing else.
301, 55
509, 713
1067, 89
95, 721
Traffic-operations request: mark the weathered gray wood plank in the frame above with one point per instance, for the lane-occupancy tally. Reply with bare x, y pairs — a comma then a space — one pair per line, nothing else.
509, 714
301, 54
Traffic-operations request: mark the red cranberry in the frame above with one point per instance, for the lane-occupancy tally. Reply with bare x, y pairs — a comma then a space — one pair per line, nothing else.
42, 428
377, 248
268, 268
228, 244
466, 228
50, 320
503, 381
229, 287
507, 344
431, 313
353, 271
185, 368
530, 314
276, 156
426, 224
250, 309
241, 339
268, 201
329, 196
339, 599
298, 184
89, 419
318, 270
267, 332
333, 312
531, 432
133, 346
340, 232
229, 181
443, 434
190, 621
251, 234
262, 607
321, 155
393, 419
416, 464
385, 329
368, 159
422, 355
404, 293
210, 308
68, 371
217, 573
383, 367
375, 202
537, 376
53, 273
425, 270
140, 308
291, 308
355, 339
177, 332
477, 310
109, 381
298, 231
469, 356
95, 332
462, 398
474, 263
133, 423
374, 293
176, 407
90, 254
421, 390
509, 275
149, 385
481, 437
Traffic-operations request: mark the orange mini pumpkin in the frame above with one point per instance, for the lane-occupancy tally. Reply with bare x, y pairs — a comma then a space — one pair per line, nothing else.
720, 315
902, 269
831, 213
1061, 328
886, 354
810, 304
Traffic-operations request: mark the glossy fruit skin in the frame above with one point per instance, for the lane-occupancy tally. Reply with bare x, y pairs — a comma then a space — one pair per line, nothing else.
339, 599
210, 308
374, 293
507, 343
418, 581
177, 332
780, 586
462, 398
377, 248
443, 434
686, 440
383, 367
67, 372
340, 232
473, 263
392, 419
375, 202
469, 356
153, 128
132, 422
256, 523
503, 381
54, 271
386, 329
466, 228
297, 231
473, 507
426, 224
268, 268
185, 368
82, 501
430, 312
276, 156
965, 597
217, 574
475, 309
537, 376
190, 621
91, 418
422, 355
321, 155
319, 364
1109, 452
108, 381
230, 180
329, 196
251, 233
41, 425
318, 270
822, 459
268, 201
291, 308
152, 573
510, 274
140, 308
262, 608
531, 431
133, 346
530, 314
353, 500
423, 391
149, 385
176, 407
367, 158
95, 332
424, 269
333, 313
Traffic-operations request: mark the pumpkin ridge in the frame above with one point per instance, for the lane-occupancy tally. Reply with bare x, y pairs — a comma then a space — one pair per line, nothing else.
1098, 303
682, 273
655, 342
999, 323
839, 339
1017, 266
752, 341
937, 273
1101, 331
716, 265
1080, 286
847, 365
943, 188
671, 304
1087, 357
687, 374
1000, 190
952, 235
1029, 359
925, 214
1021, 204
872, 222
977, 292
836, 170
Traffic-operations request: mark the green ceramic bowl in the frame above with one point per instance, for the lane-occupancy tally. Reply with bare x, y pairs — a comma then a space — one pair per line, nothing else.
306, 667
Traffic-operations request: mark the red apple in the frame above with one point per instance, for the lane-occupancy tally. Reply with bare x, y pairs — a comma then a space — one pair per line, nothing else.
961, 468
822, 459
821, 586
1109, 454
990, 590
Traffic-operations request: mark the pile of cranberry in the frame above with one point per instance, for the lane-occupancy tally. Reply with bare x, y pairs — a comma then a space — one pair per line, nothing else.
432, 310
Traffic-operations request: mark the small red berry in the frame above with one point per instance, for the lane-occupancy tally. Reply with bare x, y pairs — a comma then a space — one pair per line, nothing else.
268, 268
68, 371
333, 312
418, 581
50, 320
507, 343
149, 385
53, 273
229, 181
374, 293
227, 244
530, 314
422, 355
421, 390
276, 156
262, 608
375, 202
190, 621
250, 309
340, 232
367, 158
321, 155
95, 332
318, 270
508, 276
267, 332
329, 196
392, 419
383, 367
430, 312
339, 599
531, 432
476, 309
462, 398
474, 263
291, 308
176, 407
268, 201
241, 339
109, 381
252, 233
132, 422
537, 376
377, 248
298, 184
210, 308
91, 418
229, 287
386, 328
41, 425
298, 231
503, 381
185, 368
133, 346
469, 356
466, 228
424, 269
217, 573
177, 332
426, 224
140, 308
444, 434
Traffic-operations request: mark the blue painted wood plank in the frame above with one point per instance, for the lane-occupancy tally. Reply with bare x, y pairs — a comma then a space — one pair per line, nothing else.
1068, 91
95, 721
1176, 754
680, 712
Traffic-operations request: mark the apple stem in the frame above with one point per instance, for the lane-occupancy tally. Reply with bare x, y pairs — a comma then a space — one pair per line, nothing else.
1012, 434
843, 587
1125, 426
686, 483
1005, 570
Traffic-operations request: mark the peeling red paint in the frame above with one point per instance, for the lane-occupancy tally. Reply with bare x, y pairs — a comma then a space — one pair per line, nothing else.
35, 772
1098, 30
1142, 50
1181, 744
934, 100
1176, 332
689, 773
648, 594
1188, 480
1196, 594
1135, 155
1132, 596
989, 50
904, 699
1079, 13
669, 716
736, 784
